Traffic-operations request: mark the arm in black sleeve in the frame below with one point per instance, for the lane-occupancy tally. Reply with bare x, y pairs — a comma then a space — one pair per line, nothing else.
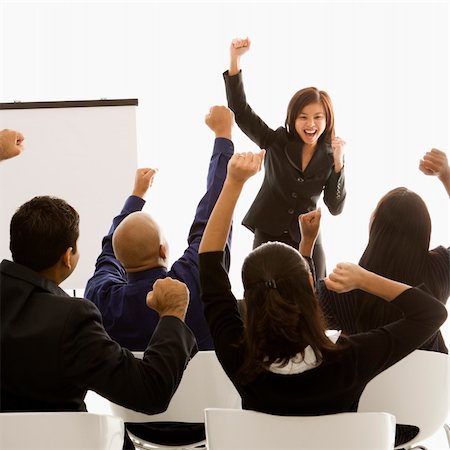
249, 122
334, 193
90, 358
384, 346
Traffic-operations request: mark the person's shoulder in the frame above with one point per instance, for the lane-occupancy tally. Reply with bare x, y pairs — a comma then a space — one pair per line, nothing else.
282, 134
440, 252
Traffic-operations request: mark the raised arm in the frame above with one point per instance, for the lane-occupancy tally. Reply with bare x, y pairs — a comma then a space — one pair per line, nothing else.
240, 168
309, 224
108, 269
382, 347
220, 120
144, 385
347, 277
435, 163
248, 121
237, 48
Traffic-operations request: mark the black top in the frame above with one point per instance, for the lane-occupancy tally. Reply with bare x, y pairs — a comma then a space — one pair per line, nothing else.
342, 310
54, 348
286, 191
331, 387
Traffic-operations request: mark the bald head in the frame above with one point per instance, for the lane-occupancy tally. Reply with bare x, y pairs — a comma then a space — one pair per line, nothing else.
138, 243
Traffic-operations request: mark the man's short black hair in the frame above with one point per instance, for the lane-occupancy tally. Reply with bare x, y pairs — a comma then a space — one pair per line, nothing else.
41, 230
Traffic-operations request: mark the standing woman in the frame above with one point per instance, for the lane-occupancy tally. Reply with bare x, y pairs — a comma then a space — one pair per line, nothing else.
303, 159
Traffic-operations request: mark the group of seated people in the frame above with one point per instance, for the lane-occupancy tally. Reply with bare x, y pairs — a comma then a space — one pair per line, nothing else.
272, 344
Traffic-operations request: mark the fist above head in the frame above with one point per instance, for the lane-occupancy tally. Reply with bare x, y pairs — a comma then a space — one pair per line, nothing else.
244, 165
220, 119
240, 45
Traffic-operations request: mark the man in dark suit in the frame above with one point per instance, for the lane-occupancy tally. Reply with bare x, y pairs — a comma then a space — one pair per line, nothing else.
54, 347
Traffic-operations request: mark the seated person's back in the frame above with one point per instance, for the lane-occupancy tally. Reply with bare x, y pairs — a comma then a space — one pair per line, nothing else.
54, 347
135, 254
398, 248
278, 356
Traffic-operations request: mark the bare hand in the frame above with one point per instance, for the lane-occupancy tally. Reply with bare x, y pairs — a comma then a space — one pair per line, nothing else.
239, 46
220, 119
434, 163
11, 144
338, 146
242, 166
345, 277
309, 224
143, 180
169, 297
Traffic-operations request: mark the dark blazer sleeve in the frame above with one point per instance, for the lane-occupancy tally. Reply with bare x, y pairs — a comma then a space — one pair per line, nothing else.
382, 347
91, 360
249, 122
334, 192
221, 310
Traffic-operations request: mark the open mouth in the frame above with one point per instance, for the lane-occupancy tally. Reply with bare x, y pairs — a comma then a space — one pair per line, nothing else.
310, 133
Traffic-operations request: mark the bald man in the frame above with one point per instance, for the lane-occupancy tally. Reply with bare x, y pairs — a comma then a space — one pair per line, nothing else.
135, 254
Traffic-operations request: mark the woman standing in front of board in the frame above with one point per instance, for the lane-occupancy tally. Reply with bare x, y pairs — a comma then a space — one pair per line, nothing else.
303, 159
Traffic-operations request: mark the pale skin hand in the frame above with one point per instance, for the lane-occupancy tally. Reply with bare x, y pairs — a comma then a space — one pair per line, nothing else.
169, 297
220, 119
11, 144
338, 146
143, 180
347, 277
244, 165
309, 224
435, 163
238, 47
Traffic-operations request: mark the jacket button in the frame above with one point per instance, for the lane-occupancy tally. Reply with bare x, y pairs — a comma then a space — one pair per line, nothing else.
300, 179
290, 211
294, 195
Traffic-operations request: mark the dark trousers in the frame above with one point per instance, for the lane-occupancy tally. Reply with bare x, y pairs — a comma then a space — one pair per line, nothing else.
318, 254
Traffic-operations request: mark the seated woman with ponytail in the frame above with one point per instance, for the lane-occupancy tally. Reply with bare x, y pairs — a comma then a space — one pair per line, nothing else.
279, 356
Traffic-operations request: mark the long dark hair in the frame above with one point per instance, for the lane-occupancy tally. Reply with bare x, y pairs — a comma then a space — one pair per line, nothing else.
305, 97
399, 240
283, 315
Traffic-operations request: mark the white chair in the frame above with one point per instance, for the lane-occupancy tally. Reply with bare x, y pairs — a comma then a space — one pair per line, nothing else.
60, 430
415, 390
228, 429
204, 385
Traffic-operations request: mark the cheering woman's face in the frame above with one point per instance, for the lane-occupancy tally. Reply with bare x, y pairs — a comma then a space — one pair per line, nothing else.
311, 123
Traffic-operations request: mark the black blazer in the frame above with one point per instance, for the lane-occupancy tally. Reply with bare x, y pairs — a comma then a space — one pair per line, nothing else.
286, 191
54, 348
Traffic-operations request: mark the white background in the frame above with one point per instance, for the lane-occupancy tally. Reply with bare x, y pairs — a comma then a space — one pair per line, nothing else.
385, 65
69, 144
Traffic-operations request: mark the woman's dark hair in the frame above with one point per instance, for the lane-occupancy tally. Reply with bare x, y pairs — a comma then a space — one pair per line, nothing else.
283, 315
399, 239
41, 231
303, 98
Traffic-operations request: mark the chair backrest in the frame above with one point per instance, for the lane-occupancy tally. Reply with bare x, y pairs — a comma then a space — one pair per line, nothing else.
415, 390
234, 429
204, 385
57, 430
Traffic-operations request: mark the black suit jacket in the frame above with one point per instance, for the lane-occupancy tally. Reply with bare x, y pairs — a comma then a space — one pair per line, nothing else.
54, 348
286, 191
